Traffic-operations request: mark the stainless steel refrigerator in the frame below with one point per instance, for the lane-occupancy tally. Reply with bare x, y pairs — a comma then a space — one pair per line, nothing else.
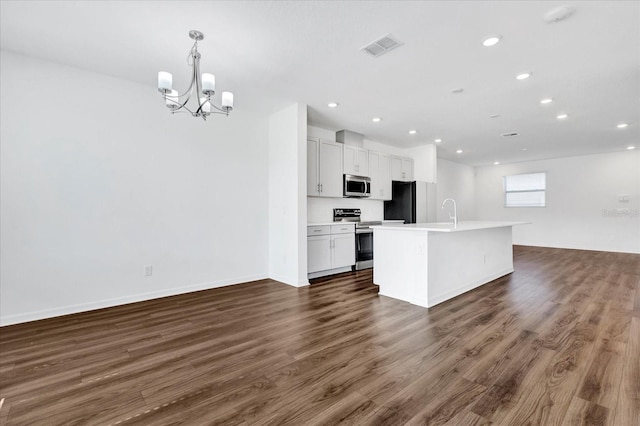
413, 202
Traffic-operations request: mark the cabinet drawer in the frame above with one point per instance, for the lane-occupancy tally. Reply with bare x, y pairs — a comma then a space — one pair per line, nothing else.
319, 230
343, 229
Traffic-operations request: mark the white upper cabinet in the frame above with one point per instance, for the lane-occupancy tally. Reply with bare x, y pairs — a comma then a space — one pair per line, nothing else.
401, 168
380, 173
324, 168
356, 161
313, 179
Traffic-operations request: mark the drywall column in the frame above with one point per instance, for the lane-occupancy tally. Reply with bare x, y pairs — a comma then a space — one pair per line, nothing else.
288, 195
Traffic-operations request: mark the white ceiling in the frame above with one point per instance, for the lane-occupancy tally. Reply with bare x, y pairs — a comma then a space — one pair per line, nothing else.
273, 53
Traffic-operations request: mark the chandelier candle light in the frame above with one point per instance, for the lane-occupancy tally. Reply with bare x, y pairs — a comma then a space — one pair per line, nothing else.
205, 85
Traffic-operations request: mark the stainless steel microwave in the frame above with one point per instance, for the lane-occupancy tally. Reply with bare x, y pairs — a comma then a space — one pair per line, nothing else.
357, 186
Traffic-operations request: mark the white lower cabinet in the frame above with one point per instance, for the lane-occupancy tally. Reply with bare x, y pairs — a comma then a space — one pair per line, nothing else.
343, 252
330, 249
319, 253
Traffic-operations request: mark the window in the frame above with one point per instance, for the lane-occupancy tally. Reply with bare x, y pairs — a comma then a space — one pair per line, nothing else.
525, 190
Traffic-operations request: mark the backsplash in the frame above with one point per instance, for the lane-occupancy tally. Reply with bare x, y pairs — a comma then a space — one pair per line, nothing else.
320, 209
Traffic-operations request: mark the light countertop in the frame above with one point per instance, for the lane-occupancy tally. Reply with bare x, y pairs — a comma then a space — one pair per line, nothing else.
329, 223
384, 222
448, 226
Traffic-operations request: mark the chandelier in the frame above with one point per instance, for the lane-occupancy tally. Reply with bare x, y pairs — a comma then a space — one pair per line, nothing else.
204, 84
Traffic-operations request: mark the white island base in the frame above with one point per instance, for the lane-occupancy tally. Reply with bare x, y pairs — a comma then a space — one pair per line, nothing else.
426, 264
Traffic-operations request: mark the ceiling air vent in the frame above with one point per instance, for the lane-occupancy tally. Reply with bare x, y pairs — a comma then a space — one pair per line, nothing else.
381, 46
508, 135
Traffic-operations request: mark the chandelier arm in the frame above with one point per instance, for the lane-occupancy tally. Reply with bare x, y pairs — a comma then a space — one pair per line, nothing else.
179, 103
185, 108
222, 111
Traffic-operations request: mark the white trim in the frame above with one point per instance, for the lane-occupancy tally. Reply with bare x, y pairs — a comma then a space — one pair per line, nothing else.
107, 303
285, 280
319, 274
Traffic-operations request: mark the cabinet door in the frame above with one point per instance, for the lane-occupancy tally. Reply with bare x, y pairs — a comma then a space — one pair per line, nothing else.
407, 169
374, 174
362, 162
396, 168
350, 159
402, 168
313, 185
384, 177
344, 250
330, 167
319, 253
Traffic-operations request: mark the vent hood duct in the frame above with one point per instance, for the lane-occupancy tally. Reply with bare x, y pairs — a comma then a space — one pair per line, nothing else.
348, 137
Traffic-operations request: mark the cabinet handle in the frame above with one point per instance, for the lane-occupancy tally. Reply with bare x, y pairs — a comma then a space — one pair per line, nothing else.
317, 230
321, 188
318, 188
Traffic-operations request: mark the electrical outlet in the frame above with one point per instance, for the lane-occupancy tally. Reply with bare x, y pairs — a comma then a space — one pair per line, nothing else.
148, 270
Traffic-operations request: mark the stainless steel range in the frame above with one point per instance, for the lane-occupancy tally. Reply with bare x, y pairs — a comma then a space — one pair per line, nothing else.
364, 236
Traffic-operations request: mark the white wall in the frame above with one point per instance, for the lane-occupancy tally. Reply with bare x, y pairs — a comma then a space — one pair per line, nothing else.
455, 181
425, 167
319, 132
581, 194
287, 195
98, 179
320, 209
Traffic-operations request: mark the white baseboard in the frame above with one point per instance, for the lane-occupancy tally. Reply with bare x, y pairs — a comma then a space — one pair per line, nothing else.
319, 274
107, 303
287, 281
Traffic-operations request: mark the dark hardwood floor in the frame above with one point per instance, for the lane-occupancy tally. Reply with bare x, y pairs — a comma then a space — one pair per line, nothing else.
557, 342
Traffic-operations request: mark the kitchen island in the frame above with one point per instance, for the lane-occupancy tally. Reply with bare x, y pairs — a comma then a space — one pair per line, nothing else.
428, 263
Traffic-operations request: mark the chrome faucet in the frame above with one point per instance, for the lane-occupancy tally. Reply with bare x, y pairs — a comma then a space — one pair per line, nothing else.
455, 211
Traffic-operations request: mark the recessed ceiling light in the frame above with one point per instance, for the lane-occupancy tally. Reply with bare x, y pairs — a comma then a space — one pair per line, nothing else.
622, 125
376, 119
413, 132
630, 147
459, 151
561, 116
492, 40
546, 100
437, 140
523, 76
494, 116
524, 149
495, 163
332, 104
